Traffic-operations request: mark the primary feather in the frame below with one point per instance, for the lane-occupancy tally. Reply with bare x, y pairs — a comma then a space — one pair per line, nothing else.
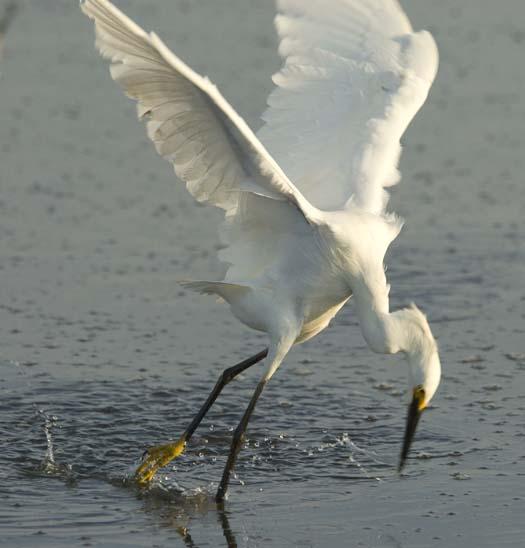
354, 76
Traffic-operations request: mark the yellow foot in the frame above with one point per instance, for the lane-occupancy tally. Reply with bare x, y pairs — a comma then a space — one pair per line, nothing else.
157, 457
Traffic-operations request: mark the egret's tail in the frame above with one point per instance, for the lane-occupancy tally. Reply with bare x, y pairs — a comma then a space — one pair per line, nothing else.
228, 291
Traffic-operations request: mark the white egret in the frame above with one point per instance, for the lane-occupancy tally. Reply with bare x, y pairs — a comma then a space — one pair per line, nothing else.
304, 200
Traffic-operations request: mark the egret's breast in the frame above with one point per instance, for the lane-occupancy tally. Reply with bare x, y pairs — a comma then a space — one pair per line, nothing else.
315, 323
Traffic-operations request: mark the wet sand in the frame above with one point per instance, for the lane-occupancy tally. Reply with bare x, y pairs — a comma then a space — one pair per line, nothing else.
103, 354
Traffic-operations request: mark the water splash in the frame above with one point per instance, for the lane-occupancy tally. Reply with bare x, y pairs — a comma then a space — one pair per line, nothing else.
49, 466
49, 422
344, 441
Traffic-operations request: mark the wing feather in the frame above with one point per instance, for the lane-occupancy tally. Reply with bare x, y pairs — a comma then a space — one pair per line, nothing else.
354, 76
210, 146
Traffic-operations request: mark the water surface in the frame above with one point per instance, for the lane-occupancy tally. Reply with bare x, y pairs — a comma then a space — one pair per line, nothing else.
103, 354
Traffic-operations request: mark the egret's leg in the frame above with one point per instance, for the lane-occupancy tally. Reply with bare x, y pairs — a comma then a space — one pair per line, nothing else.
237, 440
276, 354
159, 456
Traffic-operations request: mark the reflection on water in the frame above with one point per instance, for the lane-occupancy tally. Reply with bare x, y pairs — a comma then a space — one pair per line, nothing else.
176, 510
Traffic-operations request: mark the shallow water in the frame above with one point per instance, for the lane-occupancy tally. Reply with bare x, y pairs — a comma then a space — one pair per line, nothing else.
103, 354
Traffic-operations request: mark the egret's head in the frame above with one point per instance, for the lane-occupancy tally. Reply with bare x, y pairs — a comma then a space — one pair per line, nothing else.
424, 371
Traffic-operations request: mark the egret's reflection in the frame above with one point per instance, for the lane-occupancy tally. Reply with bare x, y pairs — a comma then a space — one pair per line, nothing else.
225, 524
175, 510
226, 530
186, 537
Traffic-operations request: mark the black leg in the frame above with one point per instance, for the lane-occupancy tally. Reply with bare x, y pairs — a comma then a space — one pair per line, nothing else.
159, 456
238, 437
226, 376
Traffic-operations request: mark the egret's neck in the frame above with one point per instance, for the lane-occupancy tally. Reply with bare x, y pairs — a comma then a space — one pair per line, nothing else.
405, 330
385, 332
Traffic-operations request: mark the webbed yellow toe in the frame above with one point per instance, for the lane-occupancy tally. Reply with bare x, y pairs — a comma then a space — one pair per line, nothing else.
157, 457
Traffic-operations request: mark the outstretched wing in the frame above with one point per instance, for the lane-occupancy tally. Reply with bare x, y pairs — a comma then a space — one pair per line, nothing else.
210, 146
354, 76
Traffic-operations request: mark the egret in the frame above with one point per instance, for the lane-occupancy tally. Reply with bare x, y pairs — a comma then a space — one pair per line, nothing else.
304, 200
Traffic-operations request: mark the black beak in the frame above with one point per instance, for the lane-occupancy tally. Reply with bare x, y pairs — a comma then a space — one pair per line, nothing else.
415, 411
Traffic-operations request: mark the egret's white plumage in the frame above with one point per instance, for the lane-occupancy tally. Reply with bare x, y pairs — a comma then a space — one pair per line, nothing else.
354, 75
304, 201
